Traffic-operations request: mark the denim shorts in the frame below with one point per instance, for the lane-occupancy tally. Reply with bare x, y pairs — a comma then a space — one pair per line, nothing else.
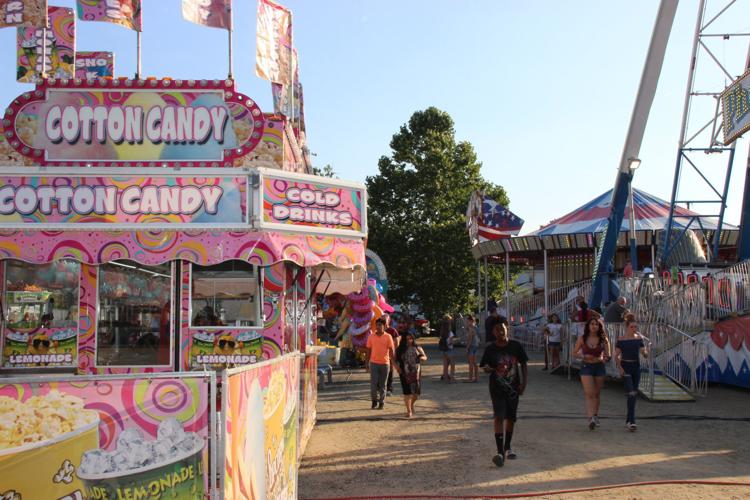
593, 369
472, 350
554, 344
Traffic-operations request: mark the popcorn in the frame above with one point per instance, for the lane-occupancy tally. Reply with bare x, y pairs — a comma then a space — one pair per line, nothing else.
41, 418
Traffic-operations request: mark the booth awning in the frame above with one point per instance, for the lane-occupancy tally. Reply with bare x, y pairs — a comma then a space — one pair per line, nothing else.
204, 247
338, 280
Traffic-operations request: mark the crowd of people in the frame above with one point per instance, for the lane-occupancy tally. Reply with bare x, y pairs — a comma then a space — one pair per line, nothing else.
505, 360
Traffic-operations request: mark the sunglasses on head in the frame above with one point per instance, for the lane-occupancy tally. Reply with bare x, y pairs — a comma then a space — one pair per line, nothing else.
223, 343
37, 342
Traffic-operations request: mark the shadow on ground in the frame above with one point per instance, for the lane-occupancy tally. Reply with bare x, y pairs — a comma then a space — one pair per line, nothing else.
447, 447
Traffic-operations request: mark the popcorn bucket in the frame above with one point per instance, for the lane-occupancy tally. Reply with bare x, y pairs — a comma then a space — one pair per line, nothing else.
181, 478
46, 469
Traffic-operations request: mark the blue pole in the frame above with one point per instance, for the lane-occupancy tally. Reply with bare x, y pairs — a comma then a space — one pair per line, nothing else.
608, 247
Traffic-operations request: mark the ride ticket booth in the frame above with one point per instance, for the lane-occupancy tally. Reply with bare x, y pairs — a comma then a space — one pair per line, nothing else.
154, 226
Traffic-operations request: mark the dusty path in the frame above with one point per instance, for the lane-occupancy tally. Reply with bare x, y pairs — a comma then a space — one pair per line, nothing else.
446, 448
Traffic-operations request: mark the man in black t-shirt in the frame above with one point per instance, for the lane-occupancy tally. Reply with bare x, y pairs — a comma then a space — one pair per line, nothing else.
505, 360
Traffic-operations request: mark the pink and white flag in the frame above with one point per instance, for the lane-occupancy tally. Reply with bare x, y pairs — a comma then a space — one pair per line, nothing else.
273, 53
123, 12
211, 13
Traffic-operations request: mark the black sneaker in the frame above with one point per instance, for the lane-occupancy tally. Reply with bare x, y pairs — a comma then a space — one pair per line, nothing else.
498, 460
381, 405
374, 405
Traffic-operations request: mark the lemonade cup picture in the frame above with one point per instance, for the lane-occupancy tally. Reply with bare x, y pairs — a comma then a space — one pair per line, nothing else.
171, 466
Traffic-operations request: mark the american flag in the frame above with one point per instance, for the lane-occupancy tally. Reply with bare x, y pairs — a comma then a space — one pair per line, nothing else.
497, 221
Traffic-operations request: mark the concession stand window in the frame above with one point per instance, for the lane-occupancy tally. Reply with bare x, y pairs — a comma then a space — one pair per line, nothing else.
134, 324
41, 295
41, 308
225, 295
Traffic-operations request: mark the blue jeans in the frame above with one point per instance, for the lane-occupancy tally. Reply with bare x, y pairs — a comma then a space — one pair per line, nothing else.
632, 381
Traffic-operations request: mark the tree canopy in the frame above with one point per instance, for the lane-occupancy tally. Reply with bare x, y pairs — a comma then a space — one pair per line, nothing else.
417, 210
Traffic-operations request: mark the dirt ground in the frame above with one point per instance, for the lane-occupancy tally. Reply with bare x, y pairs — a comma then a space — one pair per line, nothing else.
446, 449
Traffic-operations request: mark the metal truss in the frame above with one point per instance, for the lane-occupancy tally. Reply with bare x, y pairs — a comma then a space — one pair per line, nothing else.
704, 163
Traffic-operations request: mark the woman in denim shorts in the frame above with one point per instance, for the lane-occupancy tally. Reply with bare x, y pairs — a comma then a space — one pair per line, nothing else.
593, 349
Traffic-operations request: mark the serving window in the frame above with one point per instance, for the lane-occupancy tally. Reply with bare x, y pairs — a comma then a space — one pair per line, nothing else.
41, 313
134, 323
41, 295
225, 295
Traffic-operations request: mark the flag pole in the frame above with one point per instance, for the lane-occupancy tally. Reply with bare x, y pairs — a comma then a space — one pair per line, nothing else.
231, 27
291, 68
138, 55
44, 53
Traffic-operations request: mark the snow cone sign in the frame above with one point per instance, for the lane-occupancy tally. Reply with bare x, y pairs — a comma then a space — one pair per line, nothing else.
307, 203
141, 123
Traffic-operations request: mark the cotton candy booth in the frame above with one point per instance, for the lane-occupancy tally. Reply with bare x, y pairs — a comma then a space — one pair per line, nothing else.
142, 249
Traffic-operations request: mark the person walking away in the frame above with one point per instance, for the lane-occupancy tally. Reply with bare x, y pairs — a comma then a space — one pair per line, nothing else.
616, 310
472, 346
379, 356
584, 314
394, 334
593, 349
627, 350
506, 362
409, 357
446, 347
553, 333
627, 271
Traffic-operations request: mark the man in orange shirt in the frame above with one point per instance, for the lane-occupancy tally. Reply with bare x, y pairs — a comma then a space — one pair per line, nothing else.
380, 356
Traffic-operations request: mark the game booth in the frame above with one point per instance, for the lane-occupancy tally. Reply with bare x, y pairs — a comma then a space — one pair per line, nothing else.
160, 248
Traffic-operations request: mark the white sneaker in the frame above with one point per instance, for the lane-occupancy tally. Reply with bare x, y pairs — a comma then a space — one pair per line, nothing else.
596, 420
631, 427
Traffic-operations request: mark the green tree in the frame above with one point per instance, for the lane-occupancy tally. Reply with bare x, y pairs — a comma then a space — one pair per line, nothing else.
417, 210
326, 171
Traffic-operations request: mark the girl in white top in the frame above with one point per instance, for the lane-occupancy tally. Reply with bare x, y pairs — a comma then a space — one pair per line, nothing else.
553, 331
472, 346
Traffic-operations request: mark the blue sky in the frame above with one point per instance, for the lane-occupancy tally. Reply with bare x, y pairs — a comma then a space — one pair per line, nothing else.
542, 89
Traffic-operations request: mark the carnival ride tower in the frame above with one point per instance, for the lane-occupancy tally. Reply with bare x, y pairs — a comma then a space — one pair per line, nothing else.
704, 163
601, 292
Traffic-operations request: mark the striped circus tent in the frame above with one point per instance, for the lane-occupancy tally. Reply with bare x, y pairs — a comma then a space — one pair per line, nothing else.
651, 214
